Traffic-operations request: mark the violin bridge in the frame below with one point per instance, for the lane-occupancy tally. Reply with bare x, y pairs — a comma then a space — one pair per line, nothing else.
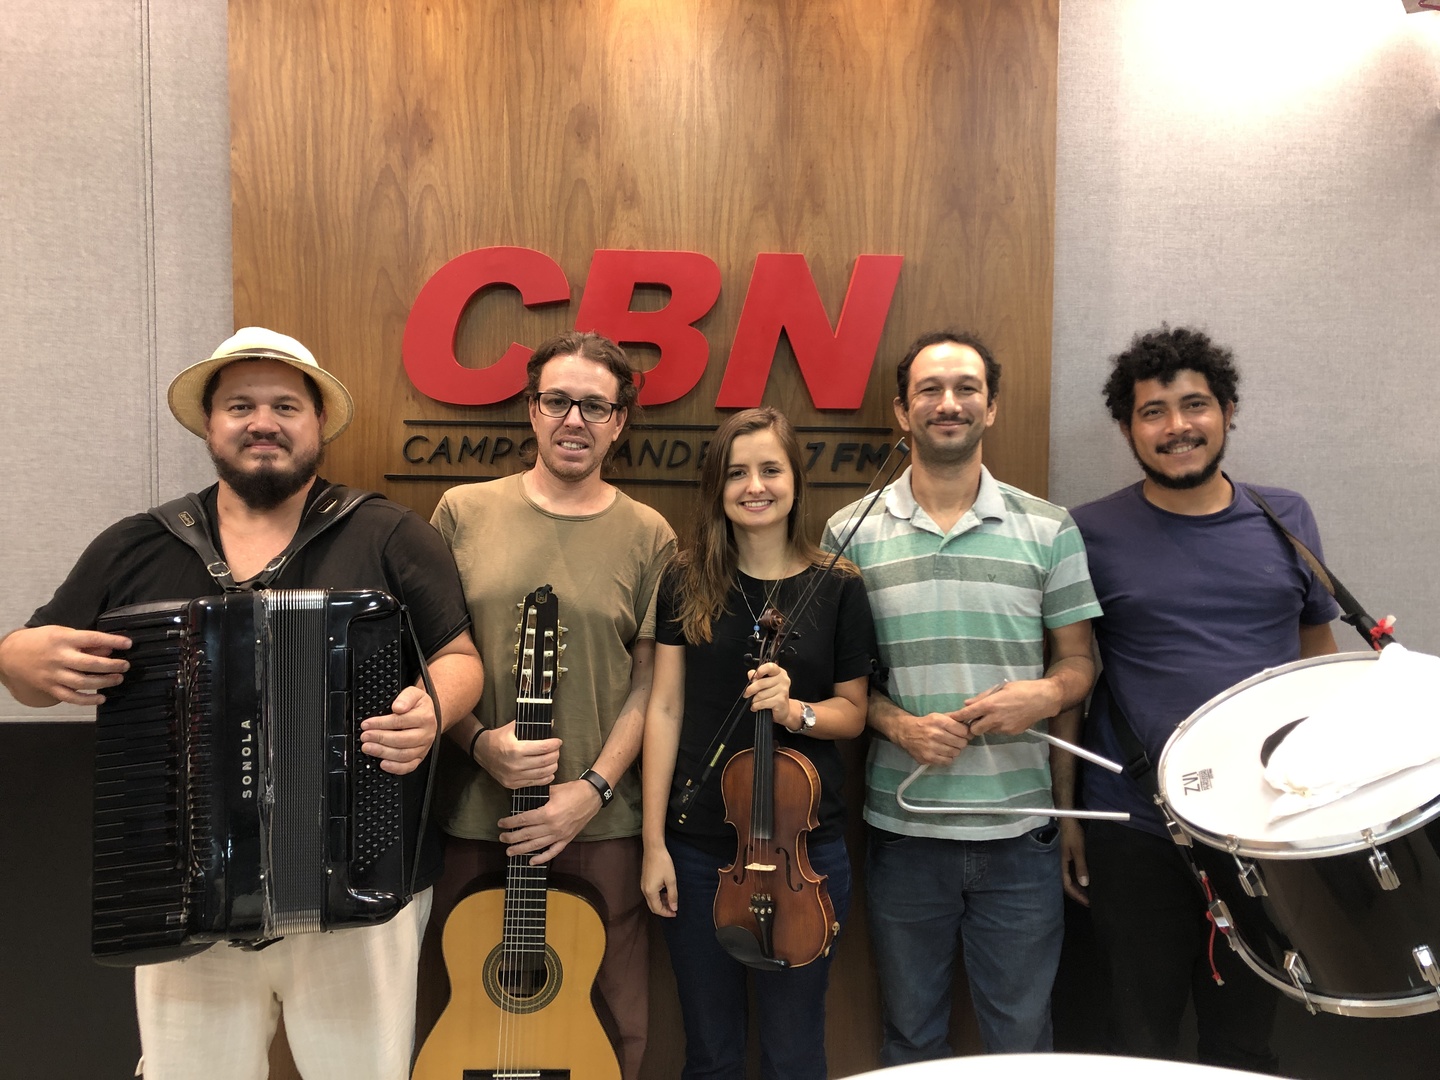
759, 866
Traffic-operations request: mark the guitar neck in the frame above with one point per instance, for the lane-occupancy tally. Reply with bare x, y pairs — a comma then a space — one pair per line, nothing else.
536, 671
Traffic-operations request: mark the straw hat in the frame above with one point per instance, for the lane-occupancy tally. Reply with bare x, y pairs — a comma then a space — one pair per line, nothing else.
187, 391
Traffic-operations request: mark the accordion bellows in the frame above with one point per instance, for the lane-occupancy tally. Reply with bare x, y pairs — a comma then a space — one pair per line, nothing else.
232, 802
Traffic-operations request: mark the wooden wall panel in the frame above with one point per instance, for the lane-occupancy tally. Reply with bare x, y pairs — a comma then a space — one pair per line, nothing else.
374, 142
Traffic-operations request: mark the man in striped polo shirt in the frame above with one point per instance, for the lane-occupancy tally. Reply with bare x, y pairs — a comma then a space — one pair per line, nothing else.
972, 582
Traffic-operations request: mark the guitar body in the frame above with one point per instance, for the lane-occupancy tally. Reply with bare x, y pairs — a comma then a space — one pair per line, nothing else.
549, 1027
522, 959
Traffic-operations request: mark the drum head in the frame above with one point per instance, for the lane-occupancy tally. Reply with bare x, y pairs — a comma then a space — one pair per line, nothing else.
1210, 774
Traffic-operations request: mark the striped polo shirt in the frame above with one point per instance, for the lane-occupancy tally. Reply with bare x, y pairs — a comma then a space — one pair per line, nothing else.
957, 613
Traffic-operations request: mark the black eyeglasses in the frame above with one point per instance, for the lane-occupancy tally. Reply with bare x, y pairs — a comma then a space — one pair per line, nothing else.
592, 410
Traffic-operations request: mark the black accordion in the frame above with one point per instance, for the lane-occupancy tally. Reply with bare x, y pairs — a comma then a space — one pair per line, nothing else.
232, 802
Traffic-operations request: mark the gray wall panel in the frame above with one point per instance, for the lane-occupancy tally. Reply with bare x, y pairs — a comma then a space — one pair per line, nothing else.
1297, 218
114, 269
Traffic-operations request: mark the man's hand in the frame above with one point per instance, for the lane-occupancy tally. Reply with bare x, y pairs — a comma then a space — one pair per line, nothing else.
1011, 708
549, 828
1074, 874
41, 665
517, 763
932, 739
402, 737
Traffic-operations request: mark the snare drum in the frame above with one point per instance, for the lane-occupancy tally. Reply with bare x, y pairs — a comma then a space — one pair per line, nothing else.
1338, 906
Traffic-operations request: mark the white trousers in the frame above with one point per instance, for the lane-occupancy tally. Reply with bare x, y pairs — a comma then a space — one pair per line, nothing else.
348, 997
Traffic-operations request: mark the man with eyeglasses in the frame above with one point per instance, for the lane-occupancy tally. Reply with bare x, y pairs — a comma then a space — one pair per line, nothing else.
561, 524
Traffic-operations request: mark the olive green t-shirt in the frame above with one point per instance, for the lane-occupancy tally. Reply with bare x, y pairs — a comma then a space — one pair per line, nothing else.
604, 569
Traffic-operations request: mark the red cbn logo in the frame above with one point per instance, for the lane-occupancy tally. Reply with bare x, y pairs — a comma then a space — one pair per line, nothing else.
834, 361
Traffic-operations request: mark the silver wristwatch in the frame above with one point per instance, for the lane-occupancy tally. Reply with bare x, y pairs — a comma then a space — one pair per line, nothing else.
807, 717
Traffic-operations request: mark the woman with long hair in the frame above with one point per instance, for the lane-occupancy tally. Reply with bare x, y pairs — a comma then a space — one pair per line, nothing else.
747, 552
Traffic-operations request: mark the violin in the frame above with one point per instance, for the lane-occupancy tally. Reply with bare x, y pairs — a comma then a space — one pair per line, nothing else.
772, 910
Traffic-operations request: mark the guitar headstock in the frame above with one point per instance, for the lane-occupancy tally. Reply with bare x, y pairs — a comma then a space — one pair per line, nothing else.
537, 660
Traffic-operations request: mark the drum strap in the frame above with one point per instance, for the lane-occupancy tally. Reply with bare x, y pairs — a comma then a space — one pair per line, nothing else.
1355, 615
1138, 765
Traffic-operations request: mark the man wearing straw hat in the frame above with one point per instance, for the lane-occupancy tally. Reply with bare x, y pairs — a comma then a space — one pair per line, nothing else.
266, 409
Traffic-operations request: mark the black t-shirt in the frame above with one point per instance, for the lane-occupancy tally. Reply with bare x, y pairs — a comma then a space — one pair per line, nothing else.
833, 642
380, 545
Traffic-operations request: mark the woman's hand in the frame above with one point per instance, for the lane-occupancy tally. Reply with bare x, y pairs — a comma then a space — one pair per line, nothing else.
657, 881
770, 689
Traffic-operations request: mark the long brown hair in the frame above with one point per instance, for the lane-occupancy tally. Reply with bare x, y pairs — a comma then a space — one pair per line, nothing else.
709, 560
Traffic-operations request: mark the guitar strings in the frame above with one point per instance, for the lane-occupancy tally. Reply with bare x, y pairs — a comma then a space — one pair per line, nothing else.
520, 871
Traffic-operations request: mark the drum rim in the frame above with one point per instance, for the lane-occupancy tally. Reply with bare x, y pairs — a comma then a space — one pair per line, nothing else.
1341, 844
1407, 1005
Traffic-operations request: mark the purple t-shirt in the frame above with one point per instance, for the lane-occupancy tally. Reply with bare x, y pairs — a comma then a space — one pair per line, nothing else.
1193, 605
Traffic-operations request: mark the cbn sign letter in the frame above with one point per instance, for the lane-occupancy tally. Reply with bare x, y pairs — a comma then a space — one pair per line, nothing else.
694, 283
428, 349
835, 364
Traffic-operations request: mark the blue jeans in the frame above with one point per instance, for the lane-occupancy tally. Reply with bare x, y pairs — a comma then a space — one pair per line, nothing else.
1002, 900
712, 985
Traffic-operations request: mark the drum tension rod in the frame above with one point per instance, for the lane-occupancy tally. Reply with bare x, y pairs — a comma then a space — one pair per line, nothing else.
1380, 864
1425, 961
1299, 976
1177, 834
1250, 879
1220, 915
1247, 872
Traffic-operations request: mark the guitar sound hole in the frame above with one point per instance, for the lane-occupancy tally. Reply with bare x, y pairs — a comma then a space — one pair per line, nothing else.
525, 978
522, 983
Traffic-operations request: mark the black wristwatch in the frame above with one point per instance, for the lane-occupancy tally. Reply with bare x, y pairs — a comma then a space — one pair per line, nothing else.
590, 776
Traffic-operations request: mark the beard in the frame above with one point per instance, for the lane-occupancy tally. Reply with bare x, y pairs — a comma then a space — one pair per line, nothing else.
942, 455
268, 486
1187, 481
572, 472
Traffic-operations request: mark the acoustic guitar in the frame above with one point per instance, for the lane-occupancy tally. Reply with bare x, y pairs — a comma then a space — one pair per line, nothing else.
522, 959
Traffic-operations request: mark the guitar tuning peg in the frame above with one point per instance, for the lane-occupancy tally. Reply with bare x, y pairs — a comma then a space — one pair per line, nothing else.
520, 605
514, 669
519, 627
563, 629
516, 648
562, 670
562, 646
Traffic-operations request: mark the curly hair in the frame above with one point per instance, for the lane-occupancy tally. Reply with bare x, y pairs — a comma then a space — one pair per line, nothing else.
1162, 354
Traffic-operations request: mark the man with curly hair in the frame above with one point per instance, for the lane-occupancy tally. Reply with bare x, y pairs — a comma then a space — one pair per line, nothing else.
1200, 591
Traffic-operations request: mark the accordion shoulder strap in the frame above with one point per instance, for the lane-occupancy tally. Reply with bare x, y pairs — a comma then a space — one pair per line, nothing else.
187, 519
